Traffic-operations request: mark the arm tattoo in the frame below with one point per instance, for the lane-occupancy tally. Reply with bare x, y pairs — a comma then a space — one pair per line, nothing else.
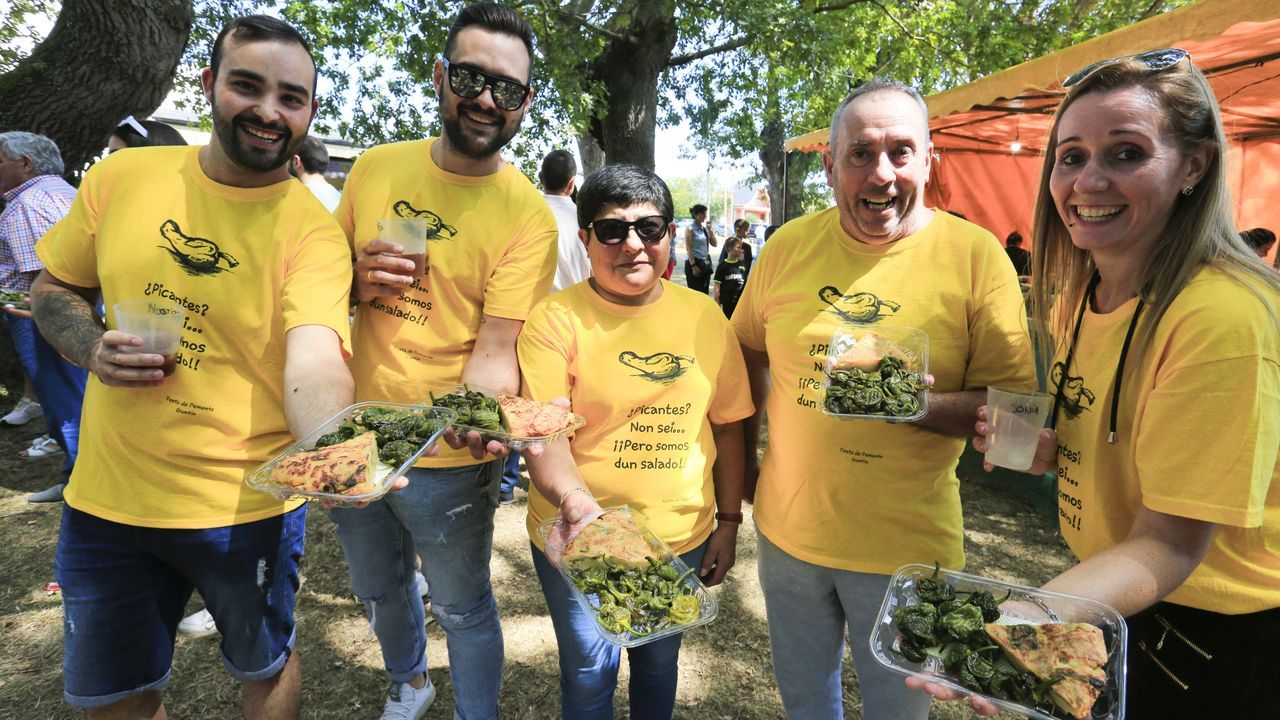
68, 322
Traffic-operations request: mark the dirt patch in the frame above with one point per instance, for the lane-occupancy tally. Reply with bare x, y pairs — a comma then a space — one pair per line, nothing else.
725, 671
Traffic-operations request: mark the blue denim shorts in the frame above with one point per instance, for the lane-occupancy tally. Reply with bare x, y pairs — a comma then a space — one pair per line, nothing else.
124, 589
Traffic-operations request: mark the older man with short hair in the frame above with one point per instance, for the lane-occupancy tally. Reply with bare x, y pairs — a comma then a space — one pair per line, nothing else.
841, 504
36, 197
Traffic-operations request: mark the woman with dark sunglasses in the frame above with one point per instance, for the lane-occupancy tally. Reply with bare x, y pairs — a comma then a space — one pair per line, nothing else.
1167, 367
659, 377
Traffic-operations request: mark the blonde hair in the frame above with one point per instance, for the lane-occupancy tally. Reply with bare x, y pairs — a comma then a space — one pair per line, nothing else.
1200, 231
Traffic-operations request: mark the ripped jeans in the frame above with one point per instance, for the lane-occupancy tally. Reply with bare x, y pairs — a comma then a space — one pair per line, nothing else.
445, 516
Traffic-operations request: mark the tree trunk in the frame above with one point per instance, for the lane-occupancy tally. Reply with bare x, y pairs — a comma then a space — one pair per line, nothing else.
629, 69
103, 61
590, 151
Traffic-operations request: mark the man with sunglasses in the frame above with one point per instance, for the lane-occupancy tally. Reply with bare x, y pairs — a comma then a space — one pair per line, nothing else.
491, 255
841, 504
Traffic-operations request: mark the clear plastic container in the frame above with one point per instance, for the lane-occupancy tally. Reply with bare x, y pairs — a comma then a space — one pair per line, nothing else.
911, 344
260, 479
555, 541
511, 441
1025, 605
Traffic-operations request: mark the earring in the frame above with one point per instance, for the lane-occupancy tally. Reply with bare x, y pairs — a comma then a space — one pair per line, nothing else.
1188, 190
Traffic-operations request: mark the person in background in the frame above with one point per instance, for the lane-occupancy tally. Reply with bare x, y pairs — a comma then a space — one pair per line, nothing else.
768, 233
309, 166
1259, 240
36, 198
699, 238
1020, 258
1170, 466
731, 275
559, 185
741, 227
133, 133
607, 345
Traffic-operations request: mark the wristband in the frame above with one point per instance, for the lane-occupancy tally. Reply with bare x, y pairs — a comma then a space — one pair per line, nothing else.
577, 488
735, 517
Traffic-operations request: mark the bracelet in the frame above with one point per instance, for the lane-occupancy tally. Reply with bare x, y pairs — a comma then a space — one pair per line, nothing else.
576, 488
735, 517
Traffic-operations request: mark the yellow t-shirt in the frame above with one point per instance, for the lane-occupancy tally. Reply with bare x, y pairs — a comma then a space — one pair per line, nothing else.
649, 380
866, 495
1198, 435
492, 250
248, 265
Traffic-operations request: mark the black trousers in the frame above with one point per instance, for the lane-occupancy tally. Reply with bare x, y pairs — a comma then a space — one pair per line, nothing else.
1189, 663
701, 283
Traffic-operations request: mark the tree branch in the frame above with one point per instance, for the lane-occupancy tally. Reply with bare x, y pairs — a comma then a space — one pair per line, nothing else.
584, 22
730, 45
917, 38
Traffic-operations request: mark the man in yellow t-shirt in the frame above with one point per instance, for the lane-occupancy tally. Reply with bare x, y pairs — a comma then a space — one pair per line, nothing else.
158, 504
491, 254
840, 504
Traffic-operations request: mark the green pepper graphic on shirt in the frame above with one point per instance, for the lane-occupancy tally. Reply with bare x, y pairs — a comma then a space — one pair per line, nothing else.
661, 367
196, 256
437, 228
859, 307
1076, 398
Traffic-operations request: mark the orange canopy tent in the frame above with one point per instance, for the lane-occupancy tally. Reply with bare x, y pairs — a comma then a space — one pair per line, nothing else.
977, 127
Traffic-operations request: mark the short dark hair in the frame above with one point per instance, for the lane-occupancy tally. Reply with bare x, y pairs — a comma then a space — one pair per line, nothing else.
314, 156
494, 18
157, 134
557, 170
741, 223
1257, 238
623, 185
770, 230
1014, 239
259, 28
699, 208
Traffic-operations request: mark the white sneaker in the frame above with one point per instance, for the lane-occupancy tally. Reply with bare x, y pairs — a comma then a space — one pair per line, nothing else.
406, 703
198, 625
24, 412
420, 582
43, 446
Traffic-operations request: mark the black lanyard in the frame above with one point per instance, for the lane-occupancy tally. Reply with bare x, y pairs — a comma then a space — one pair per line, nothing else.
1071, 351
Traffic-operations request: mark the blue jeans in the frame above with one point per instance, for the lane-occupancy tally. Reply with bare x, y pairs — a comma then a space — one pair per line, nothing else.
589, 663
809, 607
124, 588
59, 386
446, 517
510, 474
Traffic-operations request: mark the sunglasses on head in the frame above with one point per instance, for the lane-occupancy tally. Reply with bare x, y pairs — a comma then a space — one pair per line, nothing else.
1155, 60
650, 229
468, 82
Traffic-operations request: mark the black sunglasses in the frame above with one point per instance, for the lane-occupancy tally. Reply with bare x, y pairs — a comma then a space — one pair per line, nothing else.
468, 82
1155, 60
650, 229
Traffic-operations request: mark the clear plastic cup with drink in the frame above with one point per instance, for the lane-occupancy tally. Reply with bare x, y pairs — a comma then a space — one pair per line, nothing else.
409, 233
157, 322
1016, 419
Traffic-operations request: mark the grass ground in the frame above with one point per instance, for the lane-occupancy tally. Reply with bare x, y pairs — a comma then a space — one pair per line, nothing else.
725, 670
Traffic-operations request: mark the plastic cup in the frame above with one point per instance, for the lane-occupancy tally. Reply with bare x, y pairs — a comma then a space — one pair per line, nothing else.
411, 234
1016, 419
159, 324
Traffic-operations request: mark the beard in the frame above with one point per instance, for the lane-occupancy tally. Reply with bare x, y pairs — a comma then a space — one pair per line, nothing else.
476, 145
249, 156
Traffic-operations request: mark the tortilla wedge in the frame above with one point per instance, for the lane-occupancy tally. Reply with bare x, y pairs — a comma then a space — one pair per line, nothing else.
348, 468
615, 536
1072, 654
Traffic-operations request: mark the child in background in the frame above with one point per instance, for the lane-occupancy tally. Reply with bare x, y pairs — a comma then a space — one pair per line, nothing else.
731, 276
